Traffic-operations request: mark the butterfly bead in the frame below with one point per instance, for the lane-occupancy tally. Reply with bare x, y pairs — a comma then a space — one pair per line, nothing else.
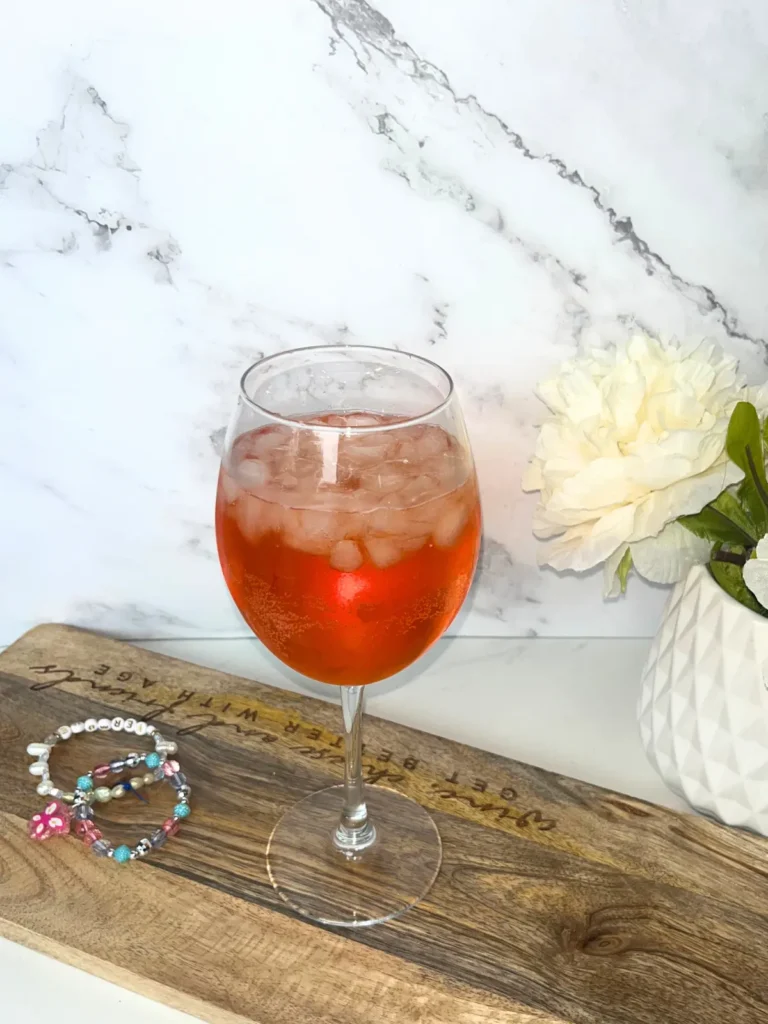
53, 820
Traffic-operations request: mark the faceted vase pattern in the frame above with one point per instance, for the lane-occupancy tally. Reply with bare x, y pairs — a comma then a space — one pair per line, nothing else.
704, 705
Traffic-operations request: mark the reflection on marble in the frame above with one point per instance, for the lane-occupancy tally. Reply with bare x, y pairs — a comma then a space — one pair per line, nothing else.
493, 185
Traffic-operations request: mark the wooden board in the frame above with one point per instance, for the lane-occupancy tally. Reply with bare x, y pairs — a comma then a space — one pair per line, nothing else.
557, 901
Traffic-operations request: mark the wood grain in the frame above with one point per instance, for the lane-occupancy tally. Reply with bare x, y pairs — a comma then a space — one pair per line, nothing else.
557, 901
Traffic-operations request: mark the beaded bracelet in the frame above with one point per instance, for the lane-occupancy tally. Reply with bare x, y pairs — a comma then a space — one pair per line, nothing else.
92, 836
40, 768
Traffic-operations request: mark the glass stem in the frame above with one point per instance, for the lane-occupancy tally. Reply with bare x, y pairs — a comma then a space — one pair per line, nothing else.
354, 832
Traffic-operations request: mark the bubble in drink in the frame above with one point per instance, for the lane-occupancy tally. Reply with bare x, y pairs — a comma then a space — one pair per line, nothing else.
348, 553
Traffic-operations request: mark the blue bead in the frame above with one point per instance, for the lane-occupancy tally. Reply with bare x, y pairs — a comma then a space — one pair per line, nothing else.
122, 854
152, 760
182, 811
85, 783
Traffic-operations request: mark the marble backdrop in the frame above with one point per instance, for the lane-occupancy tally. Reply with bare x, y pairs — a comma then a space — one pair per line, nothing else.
493, 183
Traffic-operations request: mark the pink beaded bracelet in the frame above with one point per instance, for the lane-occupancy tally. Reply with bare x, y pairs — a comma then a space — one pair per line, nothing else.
56, 818
92, 836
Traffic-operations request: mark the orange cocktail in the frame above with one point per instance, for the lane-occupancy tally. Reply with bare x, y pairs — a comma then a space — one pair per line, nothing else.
348, 528
348, 555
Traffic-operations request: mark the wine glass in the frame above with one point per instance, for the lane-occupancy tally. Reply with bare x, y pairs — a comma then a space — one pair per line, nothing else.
348, 528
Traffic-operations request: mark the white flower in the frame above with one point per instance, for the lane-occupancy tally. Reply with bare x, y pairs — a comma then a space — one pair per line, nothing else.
756, 573
636, 438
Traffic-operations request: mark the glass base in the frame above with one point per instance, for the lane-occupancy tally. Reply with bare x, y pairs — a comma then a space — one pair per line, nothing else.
386, 879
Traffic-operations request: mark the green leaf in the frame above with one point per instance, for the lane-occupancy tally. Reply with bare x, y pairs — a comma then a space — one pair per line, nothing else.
623, 570
729, 505
722, 520
744, 445
730, 577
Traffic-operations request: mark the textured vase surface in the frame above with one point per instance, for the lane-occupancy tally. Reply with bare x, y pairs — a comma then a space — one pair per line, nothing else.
704, 704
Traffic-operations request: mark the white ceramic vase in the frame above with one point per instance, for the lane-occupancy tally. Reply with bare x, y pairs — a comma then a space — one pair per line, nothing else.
704, 704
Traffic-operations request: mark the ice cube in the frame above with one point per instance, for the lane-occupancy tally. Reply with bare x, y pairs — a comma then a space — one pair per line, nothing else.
386, 520
362, 419
373, 439
346, 556
272, 516
410, 544
434, 441
408, 453
304, 469
251, 474
360, 501
385, 478
383, 551
319, 521
260, 444
393, 500
410, 434
365, 449
228, 487
450, 524
418, 489
447, 469
419, 520
293, 534
250, 517
314, 530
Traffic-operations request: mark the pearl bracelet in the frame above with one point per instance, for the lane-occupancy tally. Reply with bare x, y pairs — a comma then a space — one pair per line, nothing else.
82, 813
40, 768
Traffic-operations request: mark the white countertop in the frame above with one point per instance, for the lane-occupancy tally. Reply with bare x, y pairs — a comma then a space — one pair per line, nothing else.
567, 705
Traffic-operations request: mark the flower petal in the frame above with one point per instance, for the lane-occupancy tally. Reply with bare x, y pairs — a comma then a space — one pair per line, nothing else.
756, 573
668, 557
589, 544
687, 497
